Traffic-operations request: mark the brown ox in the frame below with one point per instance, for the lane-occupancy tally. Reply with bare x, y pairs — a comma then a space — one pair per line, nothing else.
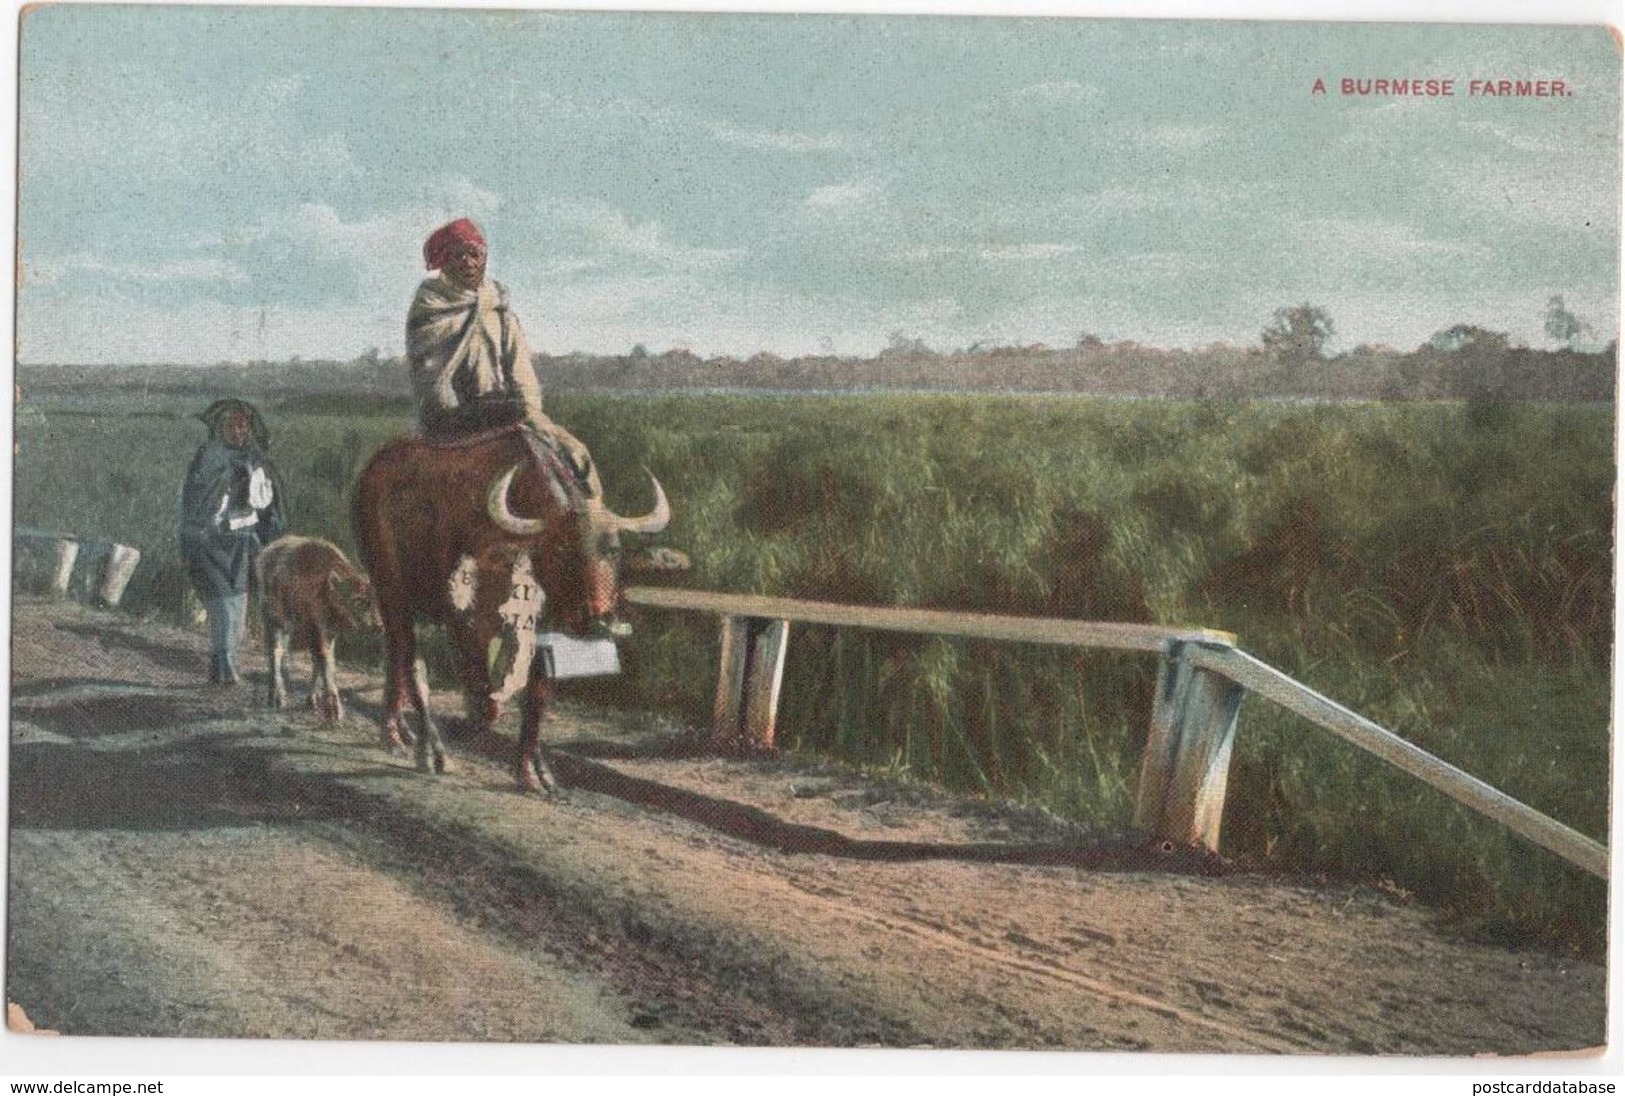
310, 592
440, 530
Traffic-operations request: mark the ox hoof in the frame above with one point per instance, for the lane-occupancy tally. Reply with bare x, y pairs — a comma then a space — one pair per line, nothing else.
399, 737
531, 784
536, 776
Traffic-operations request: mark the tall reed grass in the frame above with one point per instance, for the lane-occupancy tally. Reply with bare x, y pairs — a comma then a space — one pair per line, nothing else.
1443, 569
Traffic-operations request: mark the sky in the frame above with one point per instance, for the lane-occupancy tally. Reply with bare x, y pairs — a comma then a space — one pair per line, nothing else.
229, 184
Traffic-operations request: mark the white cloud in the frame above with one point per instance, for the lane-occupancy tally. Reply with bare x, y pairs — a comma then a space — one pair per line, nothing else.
1178, 137
1154, 265
327, 155
50, 271
1200, 45
1187, 196
1028, 252
281, 90
618, 302
1126, 199
256, 133
1006, 254
922, 254
769, 141
620, 111
1344, 236
1527, 169
376, 258
674, 310
461, 193
317, 225
1057, 92
623, 235
1377, 128
53, 331
1542, 142
570, 268
841, 196
1558, 193
385, 247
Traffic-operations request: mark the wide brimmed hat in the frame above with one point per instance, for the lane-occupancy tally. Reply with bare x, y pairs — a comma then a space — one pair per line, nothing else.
220, 410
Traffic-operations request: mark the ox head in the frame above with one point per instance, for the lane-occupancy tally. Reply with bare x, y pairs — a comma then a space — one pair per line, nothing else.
579, 545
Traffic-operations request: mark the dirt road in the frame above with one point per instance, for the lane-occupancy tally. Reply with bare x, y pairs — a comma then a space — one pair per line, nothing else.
185, 862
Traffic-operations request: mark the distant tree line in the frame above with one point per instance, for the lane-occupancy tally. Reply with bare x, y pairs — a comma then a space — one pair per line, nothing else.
1291, 360
1463, 361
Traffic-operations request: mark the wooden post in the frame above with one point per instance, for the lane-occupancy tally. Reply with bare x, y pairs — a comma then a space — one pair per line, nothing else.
1187, 754
116, 573
748, 682
63, 555
730, 681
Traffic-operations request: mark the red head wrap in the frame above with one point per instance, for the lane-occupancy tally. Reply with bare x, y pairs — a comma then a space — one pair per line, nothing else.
445, 240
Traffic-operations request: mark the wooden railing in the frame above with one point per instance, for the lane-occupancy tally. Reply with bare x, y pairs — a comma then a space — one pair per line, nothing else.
1202, 680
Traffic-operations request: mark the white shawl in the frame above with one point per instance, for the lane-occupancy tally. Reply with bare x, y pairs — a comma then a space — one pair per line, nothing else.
467, 341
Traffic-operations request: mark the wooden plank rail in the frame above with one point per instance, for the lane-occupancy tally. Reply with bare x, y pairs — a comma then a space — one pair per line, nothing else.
1066, 633
1200, 687
1268, 682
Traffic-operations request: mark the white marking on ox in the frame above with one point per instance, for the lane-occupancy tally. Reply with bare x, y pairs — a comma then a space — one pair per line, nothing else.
514, 647
463, 584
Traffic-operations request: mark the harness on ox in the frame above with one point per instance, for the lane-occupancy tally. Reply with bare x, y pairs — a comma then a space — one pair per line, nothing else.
546, 454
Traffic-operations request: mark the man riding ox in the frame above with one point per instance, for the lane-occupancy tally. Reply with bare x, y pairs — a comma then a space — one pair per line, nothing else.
492, 522
471, 365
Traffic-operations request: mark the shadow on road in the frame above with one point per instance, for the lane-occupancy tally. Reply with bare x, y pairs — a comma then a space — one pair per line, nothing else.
576, 768
762, 828
111, 711
208, 783
124, 646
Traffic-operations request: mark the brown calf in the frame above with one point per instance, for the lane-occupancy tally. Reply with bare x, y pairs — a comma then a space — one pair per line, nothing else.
310, 592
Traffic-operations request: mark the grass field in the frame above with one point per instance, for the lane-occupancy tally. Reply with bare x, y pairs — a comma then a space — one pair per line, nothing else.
1444, 569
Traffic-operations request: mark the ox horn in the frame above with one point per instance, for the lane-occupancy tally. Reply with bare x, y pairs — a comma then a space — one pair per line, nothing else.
496, 505
652, 522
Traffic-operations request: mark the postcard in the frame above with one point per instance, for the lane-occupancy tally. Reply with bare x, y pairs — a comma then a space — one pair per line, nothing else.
629, 529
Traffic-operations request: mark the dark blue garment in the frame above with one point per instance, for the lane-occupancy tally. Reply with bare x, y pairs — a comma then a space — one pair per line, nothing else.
216, 497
